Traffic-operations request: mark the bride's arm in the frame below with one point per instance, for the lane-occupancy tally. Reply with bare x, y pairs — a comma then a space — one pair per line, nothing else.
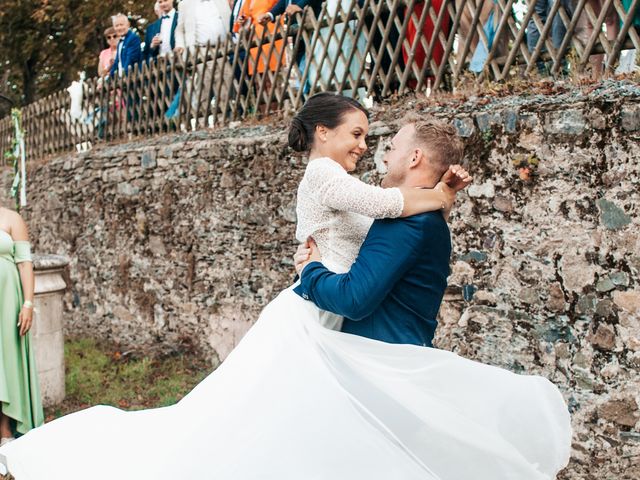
335, 188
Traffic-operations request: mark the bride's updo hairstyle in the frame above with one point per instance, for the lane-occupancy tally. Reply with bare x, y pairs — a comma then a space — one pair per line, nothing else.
325, 109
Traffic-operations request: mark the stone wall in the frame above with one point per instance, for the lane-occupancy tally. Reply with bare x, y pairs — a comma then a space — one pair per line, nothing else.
182, 240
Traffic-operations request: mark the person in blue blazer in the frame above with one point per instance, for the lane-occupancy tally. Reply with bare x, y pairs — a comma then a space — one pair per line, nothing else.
290, 7
129, 52
395, 287
160, 36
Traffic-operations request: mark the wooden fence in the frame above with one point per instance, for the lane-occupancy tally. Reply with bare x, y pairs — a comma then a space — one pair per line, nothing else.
358, 47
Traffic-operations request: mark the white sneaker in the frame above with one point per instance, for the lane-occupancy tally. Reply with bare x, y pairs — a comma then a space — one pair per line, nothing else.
6, 440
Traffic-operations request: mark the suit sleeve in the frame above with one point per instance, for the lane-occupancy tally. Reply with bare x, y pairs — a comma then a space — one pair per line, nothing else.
136, 51
278, 8
147, 51
387, 253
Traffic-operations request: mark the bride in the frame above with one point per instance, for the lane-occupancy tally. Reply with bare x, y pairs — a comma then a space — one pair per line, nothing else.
296, 400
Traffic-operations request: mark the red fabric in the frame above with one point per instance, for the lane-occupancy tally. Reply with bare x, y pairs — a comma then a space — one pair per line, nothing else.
427, 33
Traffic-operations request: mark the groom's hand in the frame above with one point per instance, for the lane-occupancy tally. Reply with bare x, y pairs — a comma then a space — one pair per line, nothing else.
307, 252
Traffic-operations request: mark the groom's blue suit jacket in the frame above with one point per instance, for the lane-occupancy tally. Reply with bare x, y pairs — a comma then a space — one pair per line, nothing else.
394, 288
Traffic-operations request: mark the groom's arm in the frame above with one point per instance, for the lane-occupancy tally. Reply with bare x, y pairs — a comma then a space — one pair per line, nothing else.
389, 250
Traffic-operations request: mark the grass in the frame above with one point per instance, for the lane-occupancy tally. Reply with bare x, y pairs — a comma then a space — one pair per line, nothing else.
98, 375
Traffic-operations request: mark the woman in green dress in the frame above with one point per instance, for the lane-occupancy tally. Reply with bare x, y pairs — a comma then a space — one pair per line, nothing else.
20, 403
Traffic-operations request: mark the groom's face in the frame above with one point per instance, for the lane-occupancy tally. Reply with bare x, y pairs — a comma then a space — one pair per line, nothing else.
397, 159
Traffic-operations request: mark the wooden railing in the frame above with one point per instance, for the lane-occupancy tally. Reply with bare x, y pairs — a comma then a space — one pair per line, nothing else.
358, 47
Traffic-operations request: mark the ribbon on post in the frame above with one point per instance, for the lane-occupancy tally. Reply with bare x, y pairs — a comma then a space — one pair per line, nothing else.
19, 186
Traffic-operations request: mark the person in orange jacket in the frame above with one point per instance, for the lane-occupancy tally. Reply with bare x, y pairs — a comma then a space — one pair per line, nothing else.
249, 14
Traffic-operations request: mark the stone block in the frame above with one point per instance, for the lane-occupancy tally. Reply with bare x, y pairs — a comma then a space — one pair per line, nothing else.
528, 120
612, 216
605, 285
604, 338
148, 159
630, 118
623, 411
474, 256
486, 189
576, 272
566, 122
127, 189
464, 126
486, 120
503, 203
556, 302
510, 119
628, 301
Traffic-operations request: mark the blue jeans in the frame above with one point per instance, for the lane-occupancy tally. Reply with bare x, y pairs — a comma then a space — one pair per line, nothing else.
558, 30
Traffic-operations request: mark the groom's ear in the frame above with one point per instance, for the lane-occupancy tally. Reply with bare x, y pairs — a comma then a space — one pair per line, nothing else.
417, 157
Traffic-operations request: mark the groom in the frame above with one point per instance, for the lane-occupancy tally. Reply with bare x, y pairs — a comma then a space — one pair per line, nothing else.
394, 288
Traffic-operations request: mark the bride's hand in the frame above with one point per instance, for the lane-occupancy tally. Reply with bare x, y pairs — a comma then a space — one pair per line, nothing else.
456, 178
307, 252
449, 196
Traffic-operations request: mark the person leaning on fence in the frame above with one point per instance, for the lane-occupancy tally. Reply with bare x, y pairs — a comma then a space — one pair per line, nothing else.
292, 9
584, 30
542, 9
260, 60
201, 22
289, 7
129, 52
160, 38
108, 55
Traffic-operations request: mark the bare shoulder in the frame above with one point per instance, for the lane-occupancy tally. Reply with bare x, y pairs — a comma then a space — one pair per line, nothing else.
15, 224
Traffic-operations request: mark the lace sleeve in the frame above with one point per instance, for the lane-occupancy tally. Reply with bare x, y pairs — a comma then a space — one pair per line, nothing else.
333, 187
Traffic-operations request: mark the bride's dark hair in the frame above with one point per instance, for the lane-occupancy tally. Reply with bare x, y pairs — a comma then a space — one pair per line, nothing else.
325, 109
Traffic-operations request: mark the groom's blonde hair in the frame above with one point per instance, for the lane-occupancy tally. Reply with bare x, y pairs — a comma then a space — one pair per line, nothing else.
440, 141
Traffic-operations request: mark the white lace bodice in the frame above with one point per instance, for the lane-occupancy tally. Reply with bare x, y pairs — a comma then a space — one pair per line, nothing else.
337, 210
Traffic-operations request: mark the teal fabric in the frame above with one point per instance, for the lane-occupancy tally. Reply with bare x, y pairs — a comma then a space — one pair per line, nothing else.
482, 51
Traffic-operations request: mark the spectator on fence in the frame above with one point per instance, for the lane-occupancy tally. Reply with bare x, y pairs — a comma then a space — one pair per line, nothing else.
291, 8
129, 52
584, 30
488, 20
348, 55
160, 38
251, 11
201, 22
108, 55
236, 8
542, 9
428, 30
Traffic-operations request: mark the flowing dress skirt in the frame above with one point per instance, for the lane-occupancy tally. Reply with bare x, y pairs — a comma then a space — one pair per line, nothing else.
297, 401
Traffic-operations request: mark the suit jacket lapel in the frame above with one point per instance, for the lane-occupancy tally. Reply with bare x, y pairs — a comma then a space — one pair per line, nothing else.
174, 24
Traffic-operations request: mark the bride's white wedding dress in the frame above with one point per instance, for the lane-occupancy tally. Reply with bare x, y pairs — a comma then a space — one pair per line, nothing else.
298, 401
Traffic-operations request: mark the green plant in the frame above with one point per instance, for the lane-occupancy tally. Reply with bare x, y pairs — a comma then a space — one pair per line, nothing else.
526, 166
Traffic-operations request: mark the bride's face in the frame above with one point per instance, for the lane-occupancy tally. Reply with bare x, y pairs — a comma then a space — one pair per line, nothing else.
346, 143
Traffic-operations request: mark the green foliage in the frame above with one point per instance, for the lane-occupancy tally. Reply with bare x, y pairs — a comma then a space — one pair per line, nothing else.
97, 376
46, 42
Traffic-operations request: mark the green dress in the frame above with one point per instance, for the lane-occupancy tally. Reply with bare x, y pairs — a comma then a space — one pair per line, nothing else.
19, 388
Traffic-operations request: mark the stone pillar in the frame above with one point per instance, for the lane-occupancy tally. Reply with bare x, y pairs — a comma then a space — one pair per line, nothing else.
47, 335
